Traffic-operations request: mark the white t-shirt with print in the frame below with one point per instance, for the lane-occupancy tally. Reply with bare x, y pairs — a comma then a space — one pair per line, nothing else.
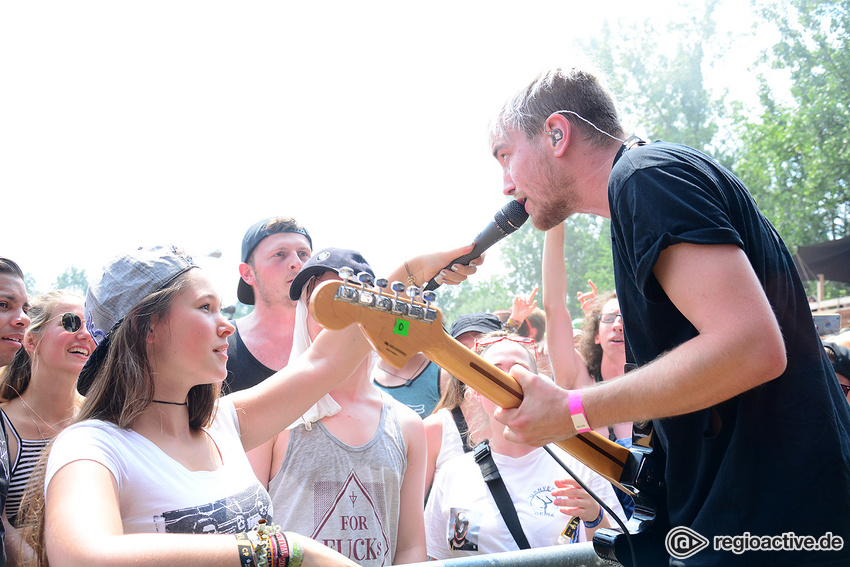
158, 494
461, 517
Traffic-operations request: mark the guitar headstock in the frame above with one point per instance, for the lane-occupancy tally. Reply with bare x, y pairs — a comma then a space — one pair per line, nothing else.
397, 325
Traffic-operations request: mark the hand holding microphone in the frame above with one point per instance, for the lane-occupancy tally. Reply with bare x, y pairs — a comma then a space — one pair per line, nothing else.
507, 220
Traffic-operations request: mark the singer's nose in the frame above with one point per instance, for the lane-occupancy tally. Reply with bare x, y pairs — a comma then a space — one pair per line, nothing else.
509, 185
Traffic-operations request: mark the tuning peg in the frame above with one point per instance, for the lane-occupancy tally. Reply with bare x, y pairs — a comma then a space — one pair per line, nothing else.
413, 291
365, 278
428, 296
346, 274
383, 302
399, 307
397, 287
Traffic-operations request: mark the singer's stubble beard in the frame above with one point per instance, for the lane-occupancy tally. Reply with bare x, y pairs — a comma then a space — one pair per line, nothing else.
557, 201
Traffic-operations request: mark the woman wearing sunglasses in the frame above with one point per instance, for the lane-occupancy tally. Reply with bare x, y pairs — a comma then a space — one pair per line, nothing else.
38, 389
462, 517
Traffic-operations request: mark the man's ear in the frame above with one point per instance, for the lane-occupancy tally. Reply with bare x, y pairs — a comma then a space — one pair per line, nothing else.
558, 130
246, 272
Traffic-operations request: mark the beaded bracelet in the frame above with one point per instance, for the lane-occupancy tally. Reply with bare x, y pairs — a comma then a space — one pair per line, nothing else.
296, 551
267, 548
264, 546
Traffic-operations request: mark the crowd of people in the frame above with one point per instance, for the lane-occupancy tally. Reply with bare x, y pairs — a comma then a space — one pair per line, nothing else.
146, 399
142, 409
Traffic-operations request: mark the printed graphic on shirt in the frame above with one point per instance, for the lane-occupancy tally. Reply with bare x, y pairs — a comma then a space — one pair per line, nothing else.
542, 503
463, 528
418, 408
349, 519
231, 515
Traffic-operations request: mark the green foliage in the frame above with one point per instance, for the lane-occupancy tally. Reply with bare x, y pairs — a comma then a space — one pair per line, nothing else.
587, 247
661, 88
486, 295
72, 278
796, 159
29, 282
239, 310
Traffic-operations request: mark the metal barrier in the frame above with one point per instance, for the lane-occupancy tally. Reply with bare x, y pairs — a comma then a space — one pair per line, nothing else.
572, 555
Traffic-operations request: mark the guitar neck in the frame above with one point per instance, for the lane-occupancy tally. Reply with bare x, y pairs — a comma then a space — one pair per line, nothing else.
600, 454
398, 328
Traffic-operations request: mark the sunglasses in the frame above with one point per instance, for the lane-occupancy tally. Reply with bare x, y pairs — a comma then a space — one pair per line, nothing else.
610, 317
71, 322
524, 341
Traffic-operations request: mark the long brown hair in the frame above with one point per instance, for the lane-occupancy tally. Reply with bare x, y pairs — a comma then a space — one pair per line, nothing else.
122, 389
123, 386
590, 351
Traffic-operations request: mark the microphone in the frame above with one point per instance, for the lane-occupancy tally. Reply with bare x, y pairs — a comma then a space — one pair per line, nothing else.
507, 220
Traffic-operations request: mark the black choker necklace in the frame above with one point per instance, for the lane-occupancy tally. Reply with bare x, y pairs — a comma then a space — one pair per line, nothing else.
170, 403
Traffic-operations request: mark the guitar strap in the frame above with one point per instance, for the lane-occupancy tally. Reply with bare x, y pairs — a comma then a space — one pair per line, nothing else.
497, 487
642, 431
462, 428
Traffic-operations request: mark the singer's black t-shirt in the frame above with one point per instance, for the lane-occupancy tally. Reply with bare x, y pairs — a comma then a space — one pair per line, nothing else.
780, 461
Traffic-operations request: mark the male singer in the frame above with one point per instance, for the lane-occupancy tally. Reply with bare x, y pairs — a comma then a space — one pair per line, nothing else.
745, 405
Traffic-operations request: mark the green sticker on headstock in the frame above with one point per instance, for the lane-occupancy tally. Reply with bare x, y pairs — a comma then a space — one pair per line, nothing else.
401, 327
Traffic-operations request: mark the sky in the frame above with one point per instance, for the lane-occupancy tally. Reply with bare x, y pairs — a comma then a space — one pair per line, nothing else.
136, 123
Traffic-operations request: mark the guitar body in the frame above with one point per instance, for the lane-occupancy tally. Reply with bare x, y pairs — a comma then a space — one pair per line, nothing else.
649, 524
398, 327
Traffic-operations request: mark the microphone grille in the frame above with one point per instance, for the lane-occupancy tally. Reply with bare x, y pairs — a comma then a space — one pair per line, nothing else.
511, 216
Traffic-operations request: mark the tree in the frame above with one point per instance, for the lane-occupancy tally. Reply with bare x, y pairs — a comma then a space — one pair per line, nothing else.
488, 295
666, 89
72, 278
29, 283
662, 88
795, 158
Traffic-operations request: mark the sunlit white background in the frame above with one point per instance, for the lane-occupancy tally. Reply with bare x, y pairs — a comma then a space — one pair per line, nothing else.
129, 123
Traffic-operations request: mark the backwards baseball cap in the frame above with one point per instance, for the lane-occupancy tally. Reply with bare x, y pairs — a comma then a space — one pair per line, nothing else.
125, 281
255, 234
475, 323
841, 365
328, 260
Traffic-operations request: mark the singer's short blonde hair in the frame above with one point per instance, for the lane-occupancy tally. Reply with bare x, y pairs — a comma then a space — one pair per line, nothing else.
579, 94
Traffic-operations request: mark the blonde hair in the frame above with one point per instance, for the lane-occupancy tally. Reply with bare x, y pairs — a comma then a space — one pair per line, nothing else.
579, 94
16, 377
480, 423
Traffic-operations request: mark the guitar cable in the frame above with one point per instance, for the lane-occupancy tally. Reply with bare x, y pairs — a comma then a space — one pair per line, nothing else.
599, 501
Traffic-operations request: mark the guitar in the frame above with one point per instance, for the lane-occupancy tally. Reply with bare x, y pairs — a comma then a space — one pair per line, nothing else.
398, 326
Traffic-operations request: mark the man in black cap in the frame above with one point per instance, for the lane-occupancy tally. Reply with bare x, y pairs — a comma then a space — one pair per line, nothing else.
273, 251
